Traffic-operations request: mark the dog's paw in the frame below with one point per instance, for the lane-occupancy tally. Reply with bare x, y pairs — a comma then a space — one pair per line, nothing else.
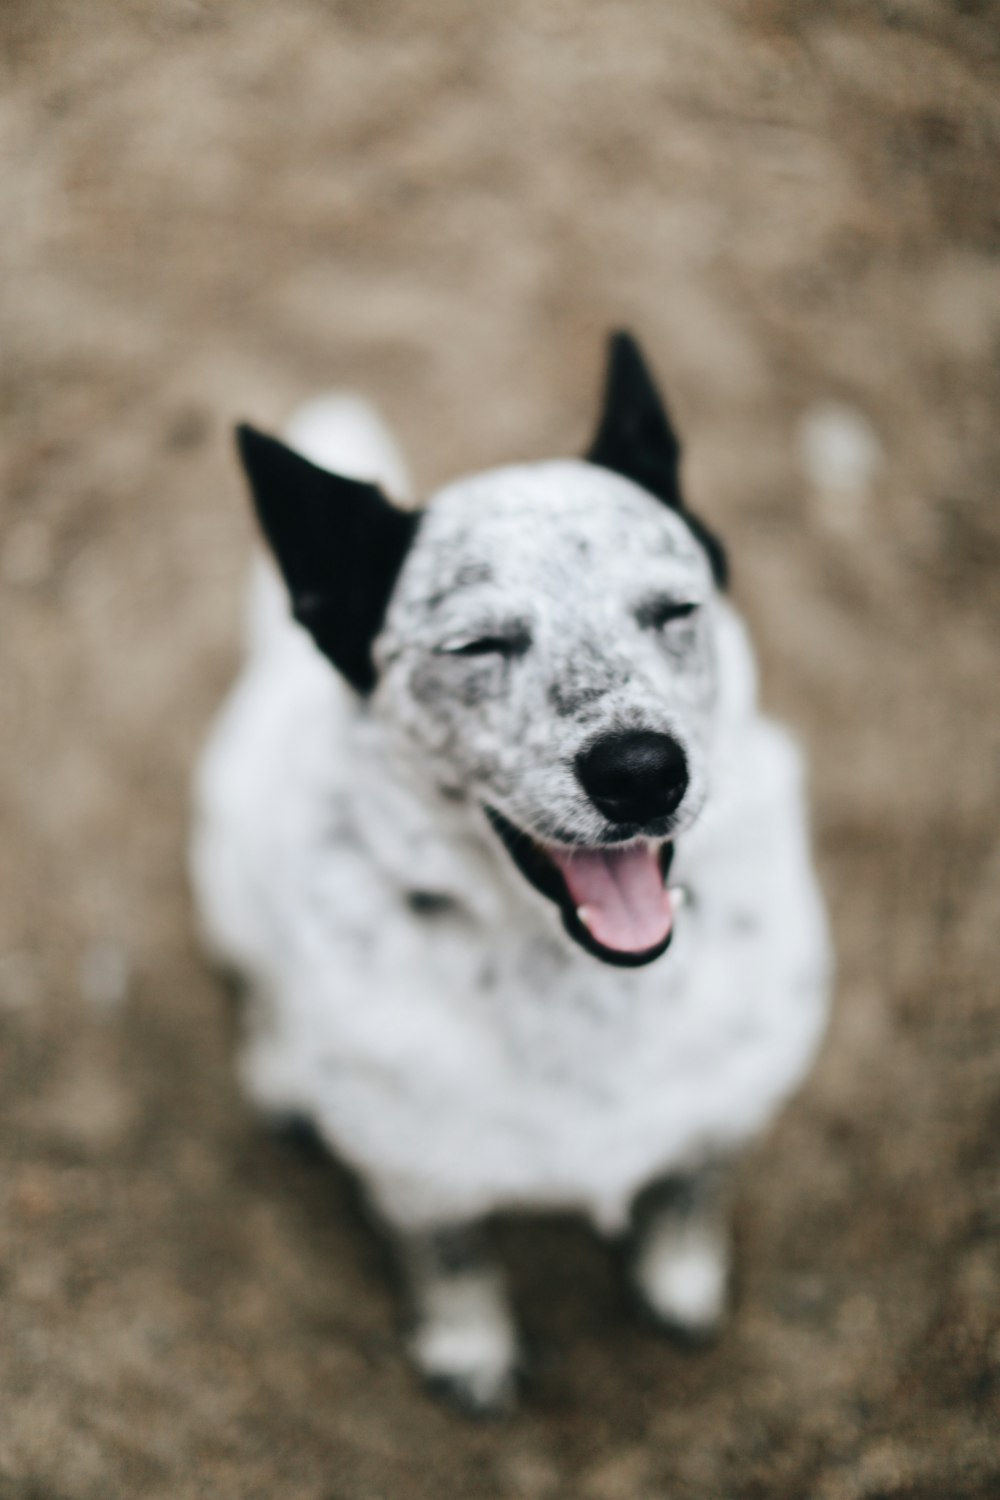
465, 1346
681, 1275
474, 1396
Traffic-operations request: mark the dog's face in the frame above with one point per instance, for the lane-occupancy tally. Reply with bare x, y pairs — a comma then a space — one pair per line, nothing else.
549, 654
542, 648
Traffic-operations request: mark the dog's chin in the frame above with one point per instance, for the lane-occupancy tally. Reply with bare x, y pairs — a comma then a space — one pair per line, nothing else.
554, 869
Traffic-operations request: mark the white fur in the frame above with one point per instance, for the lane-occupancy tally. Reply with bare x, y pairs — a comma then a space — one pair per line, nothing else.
475, 1059
465, 1336
682, 1272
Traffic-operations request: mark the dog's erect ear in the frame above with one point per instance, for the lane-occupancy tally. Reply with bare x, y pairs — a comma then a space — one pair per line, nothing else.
339, 543
636, 438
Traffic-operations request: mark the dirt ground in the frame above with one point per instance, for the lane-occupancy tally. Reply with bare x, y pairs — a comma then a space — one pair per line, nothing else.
210, 210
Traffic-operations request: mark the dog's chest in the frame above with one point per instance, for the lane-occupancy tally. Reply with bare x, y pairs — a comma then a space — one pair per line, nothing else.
513, 1028
529, 1078
559, 1042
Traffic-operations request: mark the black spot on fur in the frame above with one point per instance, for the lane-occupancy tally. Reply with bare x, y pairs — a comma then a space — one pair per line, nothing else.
468, 575
479, 687
567, 700
636, 439
473, 693
451, 793
300, 1134
439, 680
428, 903
427, 682
472, 573
456, 1249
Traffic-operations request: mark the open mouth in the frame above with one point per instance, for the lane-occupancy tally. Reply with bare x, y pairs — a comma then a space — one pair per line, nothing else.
614, 900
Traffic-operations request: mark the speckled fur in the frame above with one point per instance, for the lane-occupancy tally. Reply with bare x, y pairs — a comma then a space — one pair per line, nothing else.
507, 732
412, 995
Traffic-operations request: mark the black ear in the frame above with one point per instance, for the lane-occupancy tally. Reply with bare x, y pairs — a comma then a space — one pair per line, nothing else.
636, 438
339, 543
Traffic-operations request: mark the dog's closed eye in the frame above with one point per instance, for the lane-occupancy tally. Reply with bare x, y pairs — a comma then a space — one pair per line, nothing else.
508, 643
657, 613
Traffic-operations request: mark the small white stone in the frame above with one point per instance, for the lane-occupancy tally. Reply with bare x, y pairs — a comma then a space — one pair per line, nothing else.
841, 456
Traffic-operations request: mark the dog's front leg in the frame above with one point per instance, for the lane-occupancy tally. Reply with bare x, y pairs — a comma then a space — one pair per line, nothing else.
680, 1252
463, 1340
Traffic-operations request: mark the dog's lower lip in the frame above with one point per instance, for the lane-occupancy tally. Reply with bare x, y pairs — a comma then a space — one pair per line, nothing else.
533, 861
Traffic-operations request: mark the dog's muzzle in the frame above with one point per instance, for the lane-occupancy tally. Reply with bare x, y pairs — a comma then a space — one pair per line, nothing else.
613, 898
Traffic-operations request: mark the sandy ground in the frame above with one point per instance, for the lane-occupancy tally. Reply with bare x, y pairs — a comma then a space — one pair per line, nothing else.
210, 210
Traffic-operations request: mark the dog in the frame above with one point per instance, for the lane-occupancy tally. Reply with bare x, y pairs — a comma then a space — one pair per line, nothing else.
516, 873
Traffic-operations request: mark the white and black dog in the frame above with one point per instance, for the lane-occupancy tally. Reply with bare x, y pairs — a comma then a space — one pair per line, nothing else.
516, 872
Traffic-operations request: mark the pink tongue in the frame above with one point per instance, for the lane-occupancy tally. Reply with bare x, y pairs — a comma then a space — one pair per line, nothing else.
627, 908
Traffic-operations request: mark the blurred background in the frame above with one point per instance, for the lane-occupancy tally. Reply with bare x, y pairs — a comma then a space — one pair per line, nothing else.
212, 210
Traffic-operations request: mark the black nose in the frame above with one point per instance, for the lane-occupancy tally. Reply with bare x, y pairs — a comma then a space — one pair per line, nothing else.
634, 775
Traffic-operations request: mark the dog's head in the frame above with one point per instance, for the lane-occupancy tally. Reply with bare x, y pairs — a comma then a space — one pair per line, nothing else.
539, 640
